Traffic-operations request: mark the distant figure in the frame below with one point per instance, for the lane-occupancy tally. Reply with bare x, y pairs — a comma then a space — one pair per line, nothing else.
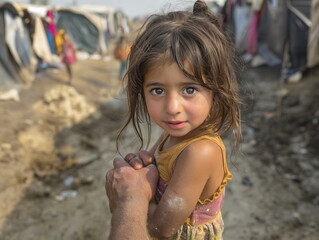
68, 55
121, 51
51, 30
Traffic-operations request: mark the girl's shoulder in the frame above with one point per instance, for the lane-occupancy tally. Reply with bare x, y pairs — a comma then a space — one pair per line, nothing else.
205, 143
201, 147
205, 156
204, 150
202, 153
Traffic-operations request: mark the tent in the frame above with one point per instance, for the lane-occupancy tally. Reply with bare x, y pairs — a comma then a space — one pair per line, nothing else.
313, 42
84, 27
40, 42
8, 75
285, 31
106, 17
298, 31
17, 57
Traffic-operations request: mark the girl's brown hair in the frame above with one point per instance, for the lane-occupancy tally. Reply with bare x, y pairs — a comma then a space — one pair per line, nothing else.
194, 38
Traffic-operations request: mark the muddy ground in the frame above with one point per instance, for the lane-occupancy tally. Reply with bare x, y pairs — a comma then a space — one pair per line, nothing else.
58, 141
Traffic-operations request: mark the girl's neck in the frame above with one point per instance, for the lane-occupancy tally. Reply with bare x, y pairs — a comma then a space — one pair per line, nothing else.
200, 131
172, 141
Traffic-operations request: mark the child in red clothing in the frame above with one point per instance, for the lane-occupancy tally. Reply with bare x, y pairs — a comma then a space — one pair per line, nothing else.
68, 55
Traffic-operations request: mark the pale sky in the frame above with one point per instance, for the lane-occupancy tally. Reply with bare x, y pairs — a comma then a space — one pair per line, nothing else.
134, 7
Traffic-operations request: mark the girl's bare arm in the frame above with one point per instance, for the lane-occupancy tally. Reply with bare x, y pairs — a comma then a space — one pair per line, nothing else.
199, 165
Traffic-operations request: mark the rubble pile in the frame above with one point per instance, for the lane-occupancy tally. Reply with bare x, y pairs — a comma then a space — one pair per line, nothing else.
65, 103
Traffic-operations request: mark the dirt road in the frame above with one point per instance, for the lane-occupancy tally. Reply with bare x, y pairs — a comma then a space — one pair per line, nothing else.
58, 141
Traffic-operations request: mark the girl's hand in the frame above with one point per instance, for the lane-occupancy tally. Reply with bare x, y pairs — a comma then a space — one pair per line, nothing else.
140, 159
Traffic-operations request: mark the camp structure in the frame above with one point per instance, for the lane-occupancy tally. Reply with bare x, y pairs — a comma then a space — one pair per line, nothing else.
42, 39
107, 19
84, 27
280, 32
17, 60
313, 41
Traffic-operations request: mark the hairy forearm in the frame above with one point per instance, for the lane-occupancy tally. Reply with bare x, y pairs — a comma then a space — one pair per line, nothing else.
129, 220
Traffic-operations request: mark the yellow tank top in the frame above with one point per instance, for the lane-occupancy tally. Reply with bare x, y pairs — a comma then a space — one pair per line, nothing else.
166, 159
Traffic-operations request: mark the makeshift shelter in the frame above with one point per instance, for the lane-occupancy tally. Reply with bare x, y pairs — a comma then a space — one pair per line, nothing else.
281, 32
6, 80
40, 42
106, 15
8, 74
16, 56
84, 27
313, 41
298, 30
43, 34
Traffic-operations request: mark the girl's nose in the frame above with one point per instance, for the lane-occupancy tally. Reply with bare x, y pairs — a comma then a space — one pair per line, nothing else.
173, 104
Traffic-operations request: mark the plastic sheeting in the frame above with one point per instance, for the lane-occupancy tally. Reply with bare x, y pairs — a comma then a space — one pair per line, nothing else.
313, 42
6, 81
13, 26
242, 19
7, 71
18, 42
85, 30
40, 42
276, 29
298, 31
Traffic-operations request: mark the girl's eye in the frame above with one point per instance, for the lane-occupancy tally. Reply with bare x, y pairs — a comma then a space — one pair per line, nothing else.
189, 90
157, 91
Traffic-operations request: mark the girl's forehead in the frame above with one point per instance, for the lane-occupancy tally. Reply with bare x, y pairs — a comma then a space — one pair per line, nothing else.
169, 73
165, 63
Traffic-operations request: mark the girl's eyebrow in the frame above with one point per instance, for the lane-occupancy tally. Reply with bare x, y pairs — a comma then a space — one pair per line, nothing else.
153, 84
183, 83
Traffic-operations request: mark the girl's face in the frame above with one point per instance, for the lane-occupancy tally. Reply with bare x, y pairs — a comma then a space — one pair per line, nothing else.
174, 102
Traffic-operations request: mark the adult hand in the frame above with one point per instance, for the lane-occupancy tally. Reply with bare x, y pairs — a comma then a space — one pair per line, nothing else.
123, 183
139, 160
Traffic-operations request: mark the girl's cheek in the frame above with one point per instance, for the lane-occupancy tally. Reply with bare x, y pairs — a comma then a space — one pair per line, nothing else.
154, 112
153, 108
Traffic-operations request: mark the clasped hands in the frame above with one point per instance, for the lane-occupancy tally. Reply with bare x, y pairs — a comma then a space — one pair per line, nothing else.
133, 178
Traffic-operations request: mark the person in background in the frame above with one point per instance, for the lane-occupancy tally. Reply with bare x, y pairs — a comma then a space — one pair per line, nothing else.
51, 31
181, 76
68, 55
121, 52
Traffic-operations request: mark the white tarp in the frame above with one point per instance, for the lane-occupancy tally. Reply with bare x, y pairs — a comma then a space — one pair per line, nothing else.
40, 42
313, 42
13, 26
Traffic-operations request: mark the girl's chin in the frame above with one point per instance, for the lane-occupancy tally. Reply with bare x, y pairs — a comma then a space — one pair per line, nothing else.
177, 134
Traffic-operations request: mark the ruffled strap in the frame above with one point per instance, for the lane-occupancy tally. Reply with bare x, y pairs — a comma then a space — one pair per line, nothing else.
205, 213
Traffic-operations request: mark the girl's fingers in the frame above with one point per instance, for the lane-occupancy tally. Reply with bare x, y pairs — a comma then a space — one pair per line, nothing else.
139, 160
136, 163
146, 157
129, 157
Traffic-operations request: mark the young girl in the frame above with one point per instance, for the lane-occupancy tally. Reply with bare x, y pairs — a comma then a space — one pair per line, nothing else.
68, 55
181, 77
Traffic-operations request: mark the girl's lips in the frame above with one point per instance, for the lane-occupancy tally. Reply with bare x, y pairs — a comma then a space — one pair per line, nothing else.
175, 124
